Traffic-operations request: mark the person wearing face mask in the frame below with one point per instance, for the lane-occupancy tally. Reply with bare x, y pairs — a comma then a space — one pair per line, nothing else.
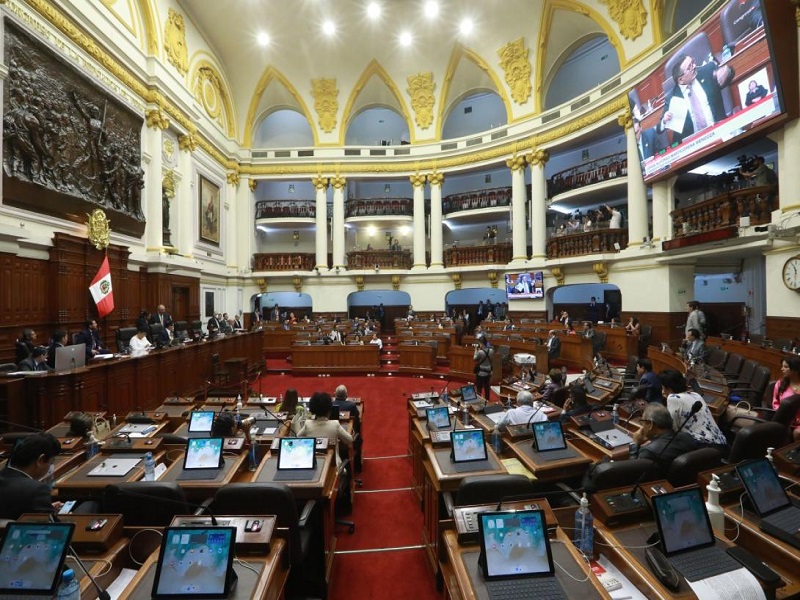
22, 488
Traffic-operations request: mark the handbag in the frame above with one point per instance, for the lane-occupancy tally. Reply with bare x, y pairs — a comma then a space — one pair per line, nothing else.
102, 429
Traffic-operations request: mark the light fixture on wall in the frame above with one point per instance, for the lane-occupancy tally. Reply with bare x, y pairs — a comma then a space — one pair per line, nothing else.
296, 237
291, 188
387, 188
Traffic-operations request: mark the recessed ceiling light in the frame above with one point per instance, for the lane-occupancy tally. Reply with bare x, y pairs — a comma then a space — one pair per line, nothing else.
329, 28
263, 39
431, 8
466, 26
406, 38
373, 10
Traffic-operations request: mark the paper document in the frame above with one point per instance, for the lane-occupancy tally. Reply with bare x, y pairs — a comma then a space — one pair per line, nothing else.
679, 108
496, 417
740, 584
120, 583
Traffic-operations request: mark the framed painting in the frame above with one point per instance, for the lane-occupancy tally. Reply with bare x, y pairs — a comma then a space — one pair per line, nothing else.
209, 211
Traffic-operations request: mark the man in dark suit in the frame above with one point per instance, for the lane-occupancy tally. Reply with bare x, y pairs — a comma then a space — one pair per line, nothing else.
700, 88
36, 361
213, 325
161, 316
646, 140
553, 345
59, 340
90, 336
21, 490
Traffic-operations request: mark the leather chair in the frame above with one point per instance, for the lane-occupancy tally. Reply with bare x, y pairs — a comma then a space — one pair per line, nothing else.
752, 441
559, 397
156, 330
8, 367
123, 337
607, 475
146, 503
733, 366
734, 24
483, 489
786, 412
685, 468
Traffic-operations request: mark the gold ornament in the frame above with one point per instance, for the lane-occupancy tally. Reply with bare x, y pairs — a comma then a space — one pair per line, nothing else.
169, 150
188, 142
261, 282
326, 104
320, 183
233, 178
601, 270
539, 157
175, 42
493, 279
395, 282
625, 120
99, 231
338, 182
420, 88
156, 119
436, 178
209, 91
253, 183
517, 163
517, 69
417, 180
559, 274
456, 277
360, 283
630, 15
297, 283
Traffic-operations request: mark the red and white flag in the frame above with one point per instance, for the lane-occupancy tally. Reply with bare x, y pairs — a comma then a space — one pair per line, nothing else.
101, 290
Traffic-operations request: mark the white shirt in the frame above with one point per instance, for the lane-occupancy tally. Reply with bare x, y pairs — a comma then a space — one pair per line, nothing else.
696, 89
522, 415
377, 342
616, 220
139, 346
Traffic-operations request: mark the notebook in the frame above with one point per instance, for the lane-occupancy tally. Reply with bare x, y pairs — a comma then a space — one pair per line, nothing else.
515, 558
686, 535
779, 517
200, 421
31, 557
202, 459
549, 442
439, 424
195, 562
297, 460
469, 450
468, 394
114, 467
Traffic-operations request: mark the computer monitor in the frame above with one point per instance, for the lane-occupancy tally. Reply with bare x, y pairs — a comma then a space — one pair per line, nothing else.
70, 357
32, 556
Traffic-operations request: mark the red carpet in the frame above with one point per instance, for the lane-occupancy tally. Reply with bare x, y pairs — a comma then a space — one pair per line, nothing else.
398, 575
386, 473
384, 520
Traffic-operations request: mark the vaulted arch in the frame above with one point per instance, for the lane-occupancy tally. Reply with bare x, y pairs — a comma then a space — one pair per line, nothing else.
212, 91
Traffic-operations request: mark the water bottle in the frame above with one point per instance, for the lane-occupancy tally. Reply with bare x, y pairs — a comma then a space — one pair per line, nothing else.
583, 536
446, 395
715, 513
280, 401
251, 457
50, 479
69, 588
615, 414
497, 441
113, 420
464, 414
92, 446
149, 467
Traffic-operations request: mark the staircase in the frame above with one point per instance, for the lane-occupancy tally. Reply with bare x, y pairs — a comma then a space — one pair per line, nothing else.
390, 358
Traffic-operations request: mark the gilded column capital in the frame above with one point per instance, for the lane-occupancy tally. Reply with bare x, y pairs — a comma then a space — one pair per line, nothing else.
539, 157
338, 182
493, 279
168, 184
253, 183
625, 120
456, 277
233, 178
601, 270
796, 11
417, 180
156, 119
559, 275
360, 283
436, 178
297, 283
187, 142
261, 282
320, 183
395, 282
516, 163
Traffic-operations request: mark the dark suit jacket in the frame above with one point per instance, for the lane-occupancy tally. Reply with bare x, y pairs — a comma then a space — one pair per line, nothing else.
705, 76
20, 494
24, 350
213, 323
648, 143
683, 443
167, 320
30, 365
554, 350
51, 354
92, 340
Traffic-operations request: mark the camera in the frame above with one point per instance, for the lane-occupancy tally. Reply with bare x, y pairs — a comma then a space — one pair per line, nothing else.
746, 163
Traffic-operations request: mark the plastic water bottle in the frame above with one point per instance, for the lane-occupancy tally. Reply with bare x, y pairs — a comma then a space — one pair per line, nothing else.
149, 467
583, 537
113, 420
50, 479
715, 513
497, 441
615, 414
69, 588
464, 414
251, 457
92, 445
446, 395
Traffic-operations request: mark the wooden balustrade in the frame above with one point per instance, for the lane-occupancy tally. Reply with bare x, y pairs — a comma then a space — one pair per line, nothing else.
284, 261
370, 207
587, 242
724, 211
383, 259
489, 198
285, 209
493, 254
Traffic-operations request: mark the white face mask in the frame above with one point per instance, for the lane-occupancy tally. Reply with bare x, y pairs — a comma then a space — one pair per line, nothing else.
49, 479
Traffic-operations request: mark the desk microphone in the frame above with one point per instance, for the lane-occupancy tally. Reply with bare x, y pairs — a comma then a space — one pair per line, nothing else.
282, 420
627, 500
535, 494
20, 426
115, 490
101, 593
125, 436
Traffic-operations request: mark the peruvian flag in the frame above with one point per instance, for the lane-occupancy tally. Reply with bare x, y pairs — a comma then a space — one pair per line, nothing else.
101, 290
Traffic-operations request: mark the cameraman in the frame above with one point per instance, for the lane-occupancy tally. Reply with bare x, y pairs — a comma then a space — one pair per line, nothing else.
757, 172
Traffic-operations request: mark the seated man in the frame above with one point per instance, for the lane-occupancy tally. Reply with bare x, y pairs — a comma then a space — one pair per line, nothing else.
37, 361
90, 336
649, 386
59, 341
345, 405
695, 348
656, 432
25, 344
523, 414
21, 488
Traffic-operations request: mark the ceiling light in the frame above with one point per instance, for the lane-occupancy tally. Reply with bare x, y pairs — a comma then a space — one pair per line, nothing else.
263, 39
466, 27
329, 28
373, 10
431, 9
405, 38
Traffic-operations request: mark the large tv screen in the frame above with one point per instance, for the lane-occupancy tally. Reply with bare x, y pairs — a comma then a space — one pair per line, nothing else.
525, 285
713, 88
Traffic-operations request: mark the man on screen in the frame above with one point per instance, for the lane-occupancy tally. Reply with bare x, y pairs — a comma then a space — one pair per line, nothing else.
697, 96
645, 139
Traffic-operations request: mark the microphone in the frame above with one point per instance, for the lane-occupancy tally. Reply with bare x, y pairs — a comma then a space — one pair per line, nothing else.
124, 436
118, 491
282, 420
628, 500
633, 414
19, 426
536, 494
101, 593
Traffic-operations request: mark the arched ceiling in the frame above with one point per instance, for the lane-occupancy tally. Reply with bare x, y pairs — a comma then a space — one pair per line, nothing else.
300, 52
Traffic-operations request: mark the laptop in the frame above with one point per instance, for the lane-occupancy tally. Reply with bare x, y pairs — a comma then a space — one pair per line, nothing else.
549, 442
200, 421
70, 357
195, 562
468, 394
202, 459
297, 460
687, 539
779, 516
32, 556
515, 559
469, 451
439, 424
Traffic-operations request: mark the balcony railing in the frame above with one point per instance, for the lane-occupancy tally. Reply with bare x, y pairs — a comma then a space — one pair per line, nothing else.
725, 210
597, 241
494, 254
285, 209
377, 207
284, 261
489, 198
601, 169
380, 259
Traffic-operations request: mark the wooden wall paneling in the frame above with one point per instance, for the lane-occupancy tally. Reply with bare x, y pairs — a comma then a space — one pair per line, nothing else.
93, 391
781, 328
121, 389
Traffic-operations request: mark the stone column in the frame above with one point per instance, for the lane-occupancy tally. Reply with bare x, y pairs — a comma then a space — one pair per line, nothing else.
663, 205
337, 226
436, 180
321, 187
245, 224
637, 191
519, 199
538, 159
232, 216
185, 217
418, 183
155, 123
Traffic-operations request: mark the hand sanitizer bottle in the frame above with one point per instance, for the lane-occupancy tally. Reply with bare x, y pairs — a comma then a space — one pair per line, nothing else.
584, 529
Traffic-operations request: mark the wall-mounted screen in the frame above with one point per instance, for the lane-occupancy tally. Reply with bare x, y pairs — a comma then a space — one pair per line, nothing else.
710, 90
525, 285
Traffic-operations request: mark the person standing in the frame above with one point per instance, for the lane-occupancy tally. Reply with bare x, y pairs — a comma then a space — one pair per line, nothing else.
482, 358
696, 319
161, 317
90, 336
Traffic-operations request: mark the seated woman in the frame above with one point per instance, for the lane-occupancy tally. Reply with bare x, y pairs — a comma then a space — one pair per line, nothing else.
225, 426
788, 386
633, 326
320, 425
701, 426
576, 404
80, 426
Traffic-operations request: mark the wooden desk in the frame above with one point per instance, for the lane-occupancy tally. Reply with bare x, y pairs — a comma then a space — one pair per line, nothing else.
463, 579
619, 345
79, 485
200, 489
336, 358
549, 470
576, 353
461, 364
417, 358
